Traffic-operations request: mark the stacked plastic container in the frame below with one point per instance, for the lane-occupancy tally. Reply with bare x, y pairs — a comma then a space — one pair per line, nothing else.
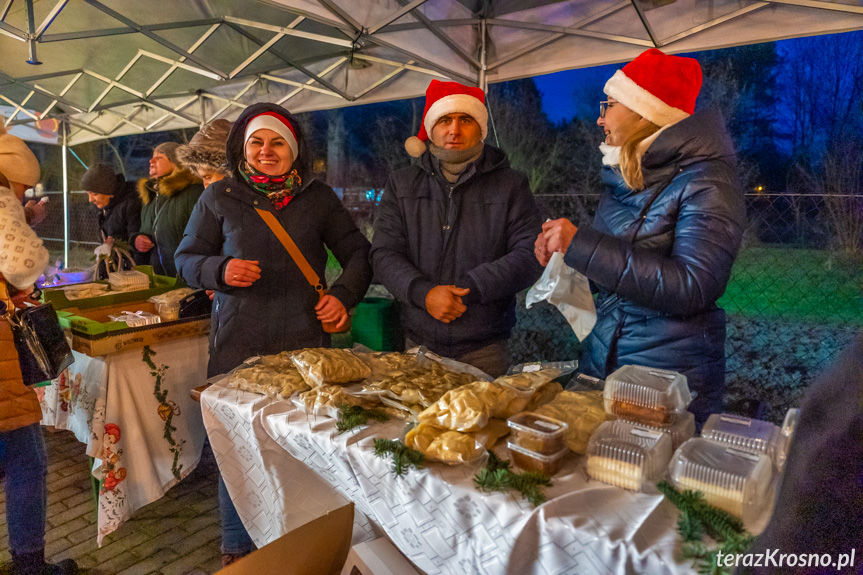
628, 455
537, 442
731, 463
655, 398
130, 280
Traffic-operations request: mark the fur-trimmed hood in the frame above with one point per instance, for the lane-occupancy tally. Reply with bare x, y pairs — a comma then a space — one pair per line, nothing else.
170, 185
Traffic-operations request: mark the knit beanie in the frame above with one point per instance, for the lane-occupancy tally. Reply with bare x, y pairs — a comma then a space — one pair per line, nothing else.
206, 149
658, 87
100, 179
444, 98
17, 162
170, 151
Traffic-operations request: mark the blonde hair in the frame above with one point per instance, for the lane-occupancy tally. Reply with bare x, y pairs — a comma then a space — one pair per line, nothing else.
630, 154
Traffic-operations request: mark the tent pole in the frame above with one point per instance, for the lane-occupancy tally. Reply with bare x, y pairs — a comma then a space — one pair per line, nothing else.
483, 82
64, 130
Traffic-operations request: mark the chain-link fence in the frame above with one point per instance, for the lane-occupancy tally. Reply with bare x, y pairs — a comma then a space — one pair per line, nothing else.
83, 229
794, 301
795, 298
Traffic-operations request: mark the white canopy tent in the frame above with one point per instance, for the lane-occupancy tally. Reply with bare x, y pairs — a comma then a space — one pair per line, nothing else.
79, 70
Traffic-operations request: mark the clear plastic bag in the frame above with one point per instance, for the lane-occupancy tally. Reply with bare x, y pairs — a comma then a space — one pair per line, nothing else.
270, 375
333, 366
569, 292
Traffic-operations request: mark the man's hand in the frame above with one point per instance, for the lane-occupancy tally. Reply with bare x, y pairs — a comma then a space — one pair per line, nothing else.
143, 243
242, 273
35, 212
331, 310
558, 235
444, 302
210, 293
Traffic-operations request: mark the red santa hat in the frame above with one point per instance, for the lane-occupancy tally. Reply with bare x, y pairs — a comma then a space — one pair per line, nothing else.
275, 122
657, 87
444, 98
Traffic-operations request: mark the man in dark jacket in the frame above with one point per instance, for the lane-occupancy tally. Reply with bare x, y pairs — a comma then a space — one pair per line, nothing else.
118, 204
453, 235
168, 198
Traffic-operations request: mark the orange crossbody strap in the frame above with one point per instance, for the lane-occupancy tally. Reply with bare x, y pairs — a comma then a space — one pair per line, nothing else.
295, 253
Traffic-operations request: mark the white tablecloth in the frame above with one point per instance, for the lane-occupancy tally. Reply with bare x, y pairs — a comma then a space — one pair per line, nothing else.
281, 466
143, 429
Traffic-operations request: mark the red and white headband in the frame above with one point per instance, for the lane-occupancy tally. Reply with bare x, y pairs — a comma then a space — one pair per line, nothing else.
278, 124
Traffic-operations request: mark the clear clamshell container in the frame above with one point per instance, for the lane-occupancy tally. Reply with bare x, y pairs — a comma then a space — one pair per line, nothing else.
744, 433
731, 479
680, 430
130, 280
789, 425
646, 395
628, 455
532, 461
537, 432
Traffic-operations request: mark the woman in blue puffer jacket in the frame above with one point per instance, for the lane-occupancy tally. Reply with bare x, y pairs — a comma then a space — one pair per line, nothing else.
666, 232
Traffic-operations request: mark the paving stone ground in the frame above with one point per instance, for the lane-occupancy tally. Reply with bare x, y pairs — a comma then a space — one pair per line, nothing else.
176, 535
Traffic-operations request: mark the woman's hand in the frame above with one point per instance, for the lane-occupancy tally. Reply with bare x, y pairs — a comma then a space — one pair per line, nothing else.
540, 250
331, 310
558, 235
21, 296
143, 244
242, 273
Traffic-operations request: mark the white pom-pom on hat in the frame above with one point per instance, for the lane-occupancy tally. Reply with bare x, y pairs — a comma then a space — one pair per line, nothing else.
415, 147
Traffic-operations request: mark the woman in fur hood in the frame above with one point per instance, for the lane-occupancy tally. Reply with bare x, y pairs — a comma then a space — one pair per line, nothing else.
168, 197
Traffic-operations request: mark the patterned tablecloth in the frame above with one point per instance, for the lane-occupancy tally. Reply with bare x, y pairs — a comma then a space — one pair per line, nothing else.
281, 467
133, 411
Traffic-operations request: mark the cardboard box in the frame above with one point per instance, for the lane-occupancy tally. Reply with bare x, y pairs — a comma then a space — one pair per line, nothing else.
378, 557
317, 548
94, 333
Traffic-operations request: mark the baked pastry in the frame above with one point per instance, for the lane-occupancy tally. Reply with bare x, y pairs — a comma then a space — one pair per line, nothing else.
656, 416
582, 411
730, 500
614, 472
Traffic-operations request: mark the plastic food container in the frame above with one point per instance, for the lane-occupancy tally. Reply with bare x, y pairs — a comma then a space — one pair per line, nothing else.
532, 461
682, 429
168, 311
744, 433
646, 395
731, 479
537, 433
789, 425
136, 318
130, 280
628, 455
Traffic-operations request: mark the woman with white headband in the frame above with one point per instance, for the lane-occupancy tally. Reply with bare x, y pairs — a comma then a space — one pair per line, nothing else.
263, 303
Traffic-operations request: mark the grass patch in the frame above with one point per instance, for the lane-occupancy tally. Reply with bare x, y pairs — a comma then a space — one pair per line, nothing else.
796, 284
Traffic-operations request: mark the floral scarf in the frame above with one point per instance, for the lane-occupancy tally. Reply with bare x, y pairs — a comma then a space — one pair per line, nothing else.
278, 189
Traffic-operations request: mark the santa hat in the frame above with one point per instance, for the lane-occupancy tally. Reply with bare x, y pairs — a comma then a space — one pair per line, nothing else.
17, 163
658, 87
277, 123
444, 98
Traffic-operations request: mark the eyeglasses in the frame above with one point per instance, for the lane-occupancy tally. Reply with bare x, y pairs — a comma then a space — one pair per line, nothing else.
603, 107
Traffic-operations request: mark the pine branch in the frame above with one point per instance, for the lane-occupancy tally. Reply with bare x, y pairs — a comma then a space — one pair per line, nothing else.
698, 517
353, 416
497, 476
403, 456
